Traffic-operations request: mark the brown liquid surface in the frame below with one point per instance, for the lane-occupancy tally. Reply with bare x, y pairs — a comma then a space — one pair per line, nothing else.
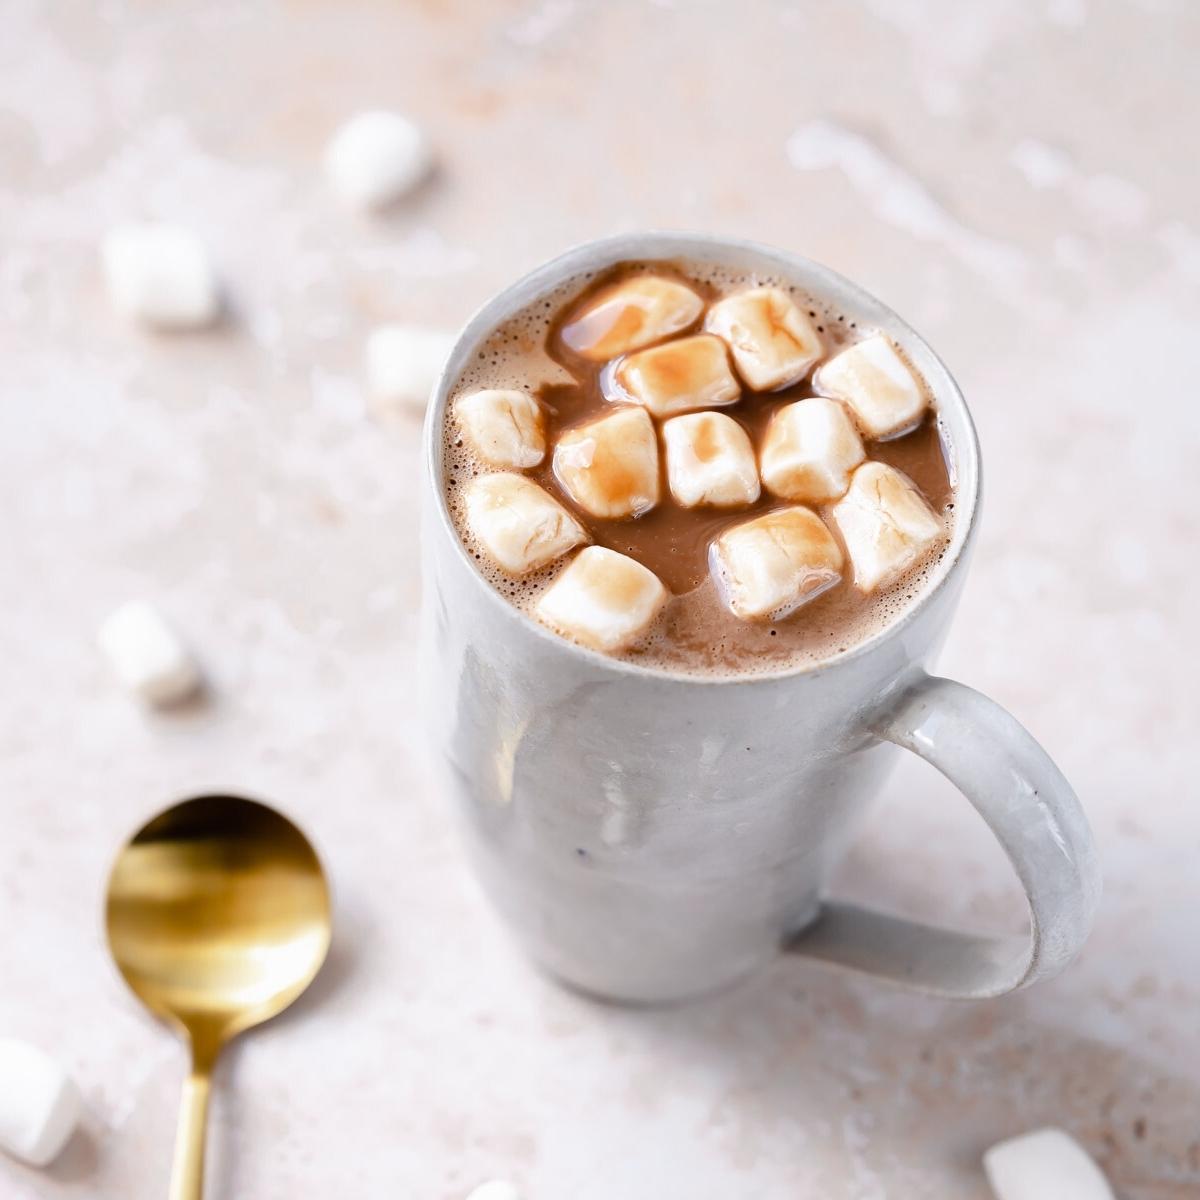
697, 633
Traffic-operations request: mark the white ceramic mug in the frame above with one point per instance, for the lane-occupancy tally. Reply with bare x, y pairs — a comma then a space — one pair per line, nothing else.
651, 836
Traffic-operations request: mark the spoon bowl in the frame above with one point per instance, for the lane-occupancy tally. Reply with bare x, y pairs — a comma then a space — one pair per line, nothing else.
218, 917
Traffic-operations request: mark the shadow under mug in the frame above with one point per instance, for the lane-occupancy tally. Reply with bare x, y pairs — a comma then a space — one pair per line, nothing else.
652, 836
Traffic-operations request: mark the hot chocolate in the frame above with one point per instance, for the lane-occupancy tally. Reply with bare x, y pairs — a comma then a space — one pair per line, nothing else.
770, 479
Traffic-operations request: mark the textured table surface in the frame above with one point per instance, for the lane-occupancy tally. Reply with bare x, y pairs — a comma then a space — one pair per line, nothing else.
1018, 178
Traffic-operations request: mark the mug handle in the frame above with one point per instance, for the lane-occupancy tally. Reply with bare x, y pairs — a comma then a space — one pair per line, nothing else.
1037, 818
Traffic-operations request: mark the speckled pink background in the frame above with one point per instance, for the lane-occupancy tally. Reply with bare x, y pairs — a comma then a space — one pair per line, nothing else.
1016, 177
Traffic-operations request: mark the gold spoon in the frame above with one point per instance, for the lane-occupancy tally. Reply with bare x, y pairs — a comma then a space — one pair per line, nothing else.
218, 918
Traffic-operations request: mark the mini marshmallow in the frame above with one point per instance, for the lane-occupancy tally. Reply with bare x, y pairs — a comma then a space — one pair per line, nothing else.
609, 466
679, 376
629, 315
710, 461
809, 451
505, 428
160, 275
886, 524
876, 383
770, 566
495, 1189
403, 365
40, 1105
147, 655
1045, 1165
377, 157
773, 343
603, 600
519, 523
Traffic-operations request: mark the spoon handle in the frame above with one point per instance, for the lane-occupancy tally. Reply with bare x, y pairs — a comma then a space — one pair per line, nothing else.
187, 1173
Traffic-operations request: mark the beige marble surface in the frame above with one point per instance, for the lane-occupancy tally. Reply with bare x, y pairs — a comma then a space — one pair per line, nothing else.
1017, 177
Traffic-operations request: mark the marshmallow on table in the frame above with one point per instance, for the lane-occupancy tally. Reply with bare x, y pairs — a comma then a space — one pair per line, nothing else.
886, 524
376, 157
809, 451
710, 461
504, 427
771, 565
773, 343
147, 655
679, 376
603, 600
404, 363
40, 1105
1045, 1165
160, 275
876, 383
495, 1189
519, 523
628, 315
609, 466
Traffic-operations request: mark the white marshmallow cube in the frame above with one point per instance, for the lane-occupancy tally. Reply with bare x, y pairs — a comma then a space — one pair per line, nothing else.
603, 600
504, 427
495, 1189
609, 466
772, 341
147, 655
161, 275
680, 376
809, 451
769, 566
377, 157
629, 315
1047, 1164
877, 384
519, 523
40, 1105
886, 524
710, 461
403, 365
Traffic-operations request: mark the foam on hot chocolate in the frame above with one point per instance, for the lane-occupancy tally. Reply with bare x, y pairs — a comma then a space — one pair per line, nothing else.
697, 633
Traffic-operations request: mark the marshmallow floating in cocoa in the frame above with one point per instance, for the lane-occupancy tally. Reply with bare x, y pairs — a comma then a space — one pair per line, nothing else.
679, 376
710, 461
609, 466
809, 451
603, 600
877, 385
772, 341
886, 524
504, 427
630, 314
519, 524
769, 566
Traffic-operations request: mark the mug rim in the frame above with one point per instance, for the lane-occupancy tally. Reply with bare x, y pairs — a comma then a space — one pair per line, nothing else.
649, 245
